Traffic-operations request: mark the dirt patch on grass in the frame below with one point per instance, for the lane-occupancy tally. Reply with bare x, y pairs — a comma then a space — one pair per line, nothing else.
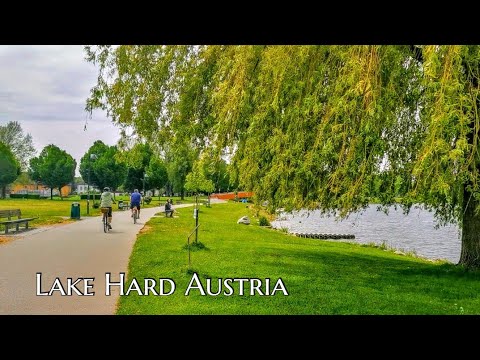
147, 229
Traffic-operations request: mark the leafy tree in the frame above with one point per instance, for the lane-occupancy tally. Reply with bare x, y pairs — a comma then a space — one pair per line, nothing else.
137, 160
157, 174
179, 159
9, 167
133, 179
87, 162
23, 179
197, 182
108, 170
19, 143
216, 169
328, 127
105, 167
53, 168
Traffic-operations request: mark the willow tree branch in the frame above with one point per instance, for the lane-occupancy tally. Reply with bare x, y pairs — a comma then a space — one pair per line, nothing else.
417, 53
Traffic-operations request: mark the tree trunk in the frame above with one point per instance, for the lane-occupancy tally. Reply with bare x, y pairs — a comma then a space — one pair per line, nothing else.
470, 254
60, 192
51, 193
183, 194
4, 191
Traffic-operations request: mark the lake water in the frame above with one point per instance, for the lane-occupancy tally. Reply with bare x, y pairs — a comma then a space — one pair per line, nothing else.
413, 232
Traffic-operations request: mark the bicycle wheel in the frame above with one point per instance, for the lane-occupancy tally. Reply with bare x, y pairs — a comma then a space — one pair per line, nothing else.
135, 212
105, 222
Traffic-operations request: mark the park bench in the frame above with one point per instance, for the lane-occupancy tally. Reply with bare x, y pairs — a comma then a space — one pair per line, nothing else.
205, 202
9, 215
123, 205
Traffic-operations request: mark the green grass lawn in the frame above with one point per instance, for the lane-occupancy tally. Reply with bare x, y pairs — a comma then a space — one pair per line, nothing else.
322, 277
58, 211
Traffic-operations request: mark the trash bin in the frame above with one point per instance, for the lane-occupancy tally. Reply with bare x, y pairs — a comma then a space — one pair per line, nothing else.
75, 211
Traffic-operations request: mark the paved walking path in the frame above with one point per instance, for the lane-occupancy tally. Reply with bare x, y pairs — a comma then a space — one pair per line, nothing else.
79, 249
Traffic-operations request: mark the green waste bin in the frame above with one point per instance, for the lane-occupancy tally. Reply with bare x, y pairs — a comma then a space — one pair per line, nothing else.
75, 212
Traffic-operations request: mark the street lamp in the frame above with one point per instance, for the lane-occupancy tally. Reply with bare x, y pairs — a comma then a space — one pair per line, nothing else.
145, 177
91, 157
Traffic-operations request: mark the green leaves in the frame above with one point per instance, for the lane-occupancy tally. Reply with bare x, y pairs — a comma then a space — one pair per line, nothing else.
20, 144
310, 126
53, 167
9, 166
157, 173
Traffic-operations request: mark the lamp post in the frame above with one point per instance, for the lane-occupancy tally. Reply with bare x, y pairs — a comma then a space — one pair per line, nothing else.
91, 157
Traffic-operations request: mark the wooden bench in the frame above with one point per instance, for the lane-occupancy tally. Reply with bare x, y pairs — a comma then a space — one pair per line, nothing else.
9, 214
123, 205
205, 202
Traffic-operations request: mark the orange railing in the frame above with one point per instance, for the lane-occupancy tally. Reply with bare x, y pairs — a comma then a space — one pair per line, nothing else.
231, 195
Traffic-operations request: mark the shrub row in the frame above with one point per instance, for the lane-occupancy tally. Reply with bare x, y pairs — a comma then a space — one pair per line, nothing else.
25, 196
92, 197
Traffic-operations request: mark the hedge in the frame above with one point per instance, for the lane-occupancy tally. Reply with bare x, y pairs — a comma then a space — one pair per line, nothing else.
25, 196
92, 196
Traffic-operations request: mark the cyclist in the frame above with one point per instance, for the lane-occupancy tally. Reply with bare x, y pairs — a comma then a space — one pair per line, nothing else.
135, 200
106, 200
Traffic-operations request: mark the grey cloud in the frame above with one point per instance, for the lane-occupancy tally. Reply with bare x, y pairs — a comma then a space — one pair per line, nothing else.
45, 89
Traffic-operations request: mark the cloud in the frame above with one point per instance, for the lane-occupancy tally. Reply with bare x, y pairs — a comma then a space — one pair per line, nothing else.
44, 88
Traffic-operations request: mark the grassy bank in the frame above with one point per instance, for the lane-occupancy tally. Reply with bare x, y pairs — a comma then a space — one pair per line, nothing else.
321, 277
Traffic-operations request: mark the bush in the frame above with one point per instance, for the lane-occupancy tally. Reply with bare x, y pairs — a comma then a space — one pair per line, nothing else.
18, 196
92, 196
263, 221
25, 196
147, 199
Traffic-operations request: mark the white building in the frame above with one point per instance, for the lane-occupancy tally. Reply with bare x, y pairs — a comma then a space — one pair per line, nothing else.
82, 188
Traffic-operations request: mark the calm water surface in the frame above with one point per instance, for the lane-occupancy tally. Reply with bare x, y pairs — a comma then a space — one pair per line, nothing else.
413, 232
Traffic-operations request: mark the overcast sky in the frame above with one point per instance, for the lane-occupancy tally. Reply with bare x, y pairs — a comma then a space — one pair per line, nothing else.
44, 88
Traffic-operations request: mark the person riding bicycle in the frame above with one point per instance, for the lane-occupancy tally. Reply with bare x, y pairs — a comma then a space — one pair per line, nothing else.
106, 200
135, 200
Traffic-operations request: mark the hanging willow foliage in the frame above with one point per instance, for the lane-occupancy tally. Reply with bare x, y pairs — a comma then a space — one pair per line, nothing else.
329, 127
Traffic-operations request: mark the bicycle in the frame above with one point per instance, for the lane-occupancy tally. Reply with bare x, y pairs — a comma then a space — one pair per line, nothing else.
104, 211
135, 214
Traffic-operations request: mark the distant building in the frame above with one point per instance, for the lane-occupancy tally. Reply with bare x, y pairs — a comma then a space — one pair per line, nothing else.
35, 188
82, 187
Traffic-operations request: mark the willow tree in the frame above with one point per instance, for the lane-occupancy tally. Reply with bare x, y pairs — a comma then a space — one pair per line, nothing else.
327, 127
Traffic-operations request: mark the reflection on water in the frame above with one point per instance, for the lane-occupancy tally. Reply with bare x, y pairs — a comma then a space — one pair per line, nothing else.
413, 232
